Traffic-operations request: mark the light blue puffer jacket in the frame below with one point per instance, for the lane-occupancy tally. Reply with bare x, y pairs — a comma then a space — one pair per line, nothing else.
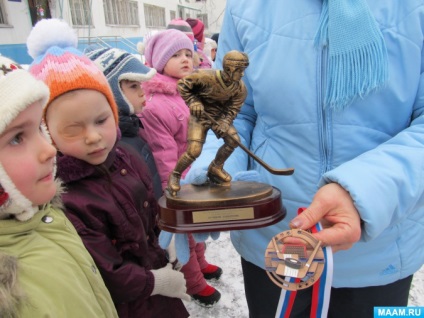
374, 148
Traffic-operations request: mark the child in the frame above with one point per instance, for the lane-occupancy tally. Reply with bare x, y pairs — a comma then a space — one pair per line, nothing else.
110, 199
125, 73
210, 49
45, 270
183, 26
198, 31
165, 119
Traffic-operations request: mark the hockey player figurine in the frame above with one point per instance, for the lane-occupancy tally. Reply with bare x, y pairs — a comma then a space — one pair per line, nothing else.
214, 97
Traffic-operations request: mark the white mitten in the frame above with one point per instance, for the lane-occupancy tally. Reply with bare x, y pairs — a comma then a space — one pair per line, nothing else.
170, 283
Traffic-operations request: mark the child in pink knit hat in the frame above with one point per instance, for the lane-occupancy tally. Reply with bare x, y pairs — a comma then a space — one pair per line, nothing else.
183, 26
165, 119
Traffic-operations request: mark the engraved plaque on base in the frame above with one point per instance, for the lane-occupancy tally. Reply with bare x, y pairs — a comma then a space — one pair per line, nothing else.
208, 208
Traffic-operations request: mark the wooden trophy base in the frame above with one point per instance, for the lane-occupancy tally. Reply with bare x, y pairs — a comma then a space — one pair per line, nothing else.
209, 208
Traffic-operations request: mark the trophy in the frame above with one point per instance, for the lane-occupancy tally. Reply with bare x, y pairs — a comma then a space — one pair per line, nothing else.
215, 98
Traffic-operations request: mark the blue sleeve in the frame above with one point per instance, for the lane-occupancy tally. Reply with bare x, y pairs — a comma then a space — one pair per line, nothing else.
387, 185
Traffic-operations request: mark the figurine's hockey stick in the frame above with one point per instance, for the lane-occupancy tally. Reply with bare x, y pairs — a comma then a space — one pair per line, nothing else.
288, 171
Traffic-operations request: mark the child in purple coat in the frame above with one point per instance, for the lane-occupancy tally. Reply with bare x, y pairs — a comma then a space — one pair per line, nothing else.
109, 195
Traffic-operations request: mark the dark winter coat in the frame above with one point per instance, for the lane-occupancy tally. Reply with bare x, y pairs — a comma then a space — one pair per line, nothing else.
114, 212
130, 126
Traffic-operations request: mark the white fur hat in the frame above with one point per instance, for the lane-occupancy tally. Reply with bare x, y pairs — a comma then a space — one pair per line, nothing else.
18, 90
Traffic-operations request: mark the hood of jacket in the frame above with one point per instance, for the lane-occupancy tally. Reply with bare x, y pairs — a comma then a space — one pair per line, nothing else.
129, 125
161, 84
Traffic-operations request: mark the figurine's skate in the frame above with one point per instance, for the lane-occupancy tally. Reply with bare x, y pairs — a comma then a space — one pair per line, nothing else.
218, 175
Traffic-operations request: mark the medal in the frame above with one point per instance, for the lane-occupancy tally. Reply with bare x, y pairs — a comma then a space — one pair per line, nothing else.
294, 259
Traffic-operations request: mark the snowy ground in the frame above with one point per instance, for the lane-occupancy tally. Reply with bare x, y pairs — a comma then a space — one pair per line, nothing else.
233, 303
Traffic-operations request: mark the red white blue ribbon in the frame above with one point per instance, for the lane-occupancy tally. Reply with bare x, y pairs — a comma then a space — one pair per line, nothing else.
321, 290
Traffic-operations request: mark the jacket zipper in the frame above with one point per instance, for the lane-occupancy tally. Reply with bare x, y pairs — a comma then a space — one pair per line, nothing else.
324, 116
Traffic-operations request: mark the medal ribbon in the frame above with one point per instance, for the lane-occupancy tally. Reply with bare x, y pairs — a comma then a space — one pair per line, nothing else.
320, 290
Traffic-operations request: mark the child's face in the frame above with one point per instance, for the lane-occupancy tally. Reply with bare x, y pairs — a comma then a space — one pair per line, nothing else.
82, 125
27, 156
180, 64
134, 93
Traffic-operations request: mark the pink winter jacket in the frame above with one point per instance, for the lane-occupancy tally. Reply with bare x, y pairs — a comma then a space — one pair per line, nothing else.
165, 119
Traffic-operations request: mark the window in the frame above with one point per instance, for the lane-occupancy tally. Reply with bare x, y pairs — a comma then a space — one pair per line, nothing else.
155, 16
121, 12
133, 7
204, 18
172, 14
80, 12
3, 16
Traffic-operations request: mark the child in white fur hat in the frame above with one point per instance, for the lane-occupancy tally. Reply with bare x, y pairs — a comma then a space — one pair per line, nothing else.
45, 270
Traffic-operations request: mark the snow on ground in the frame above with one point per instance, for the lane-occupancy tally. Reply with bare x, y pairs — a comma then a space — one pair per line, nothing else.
233, 303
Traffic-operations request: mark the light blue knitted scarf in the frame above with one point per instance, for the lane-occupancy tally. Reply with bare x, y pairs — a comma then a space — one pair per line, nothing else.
357, 54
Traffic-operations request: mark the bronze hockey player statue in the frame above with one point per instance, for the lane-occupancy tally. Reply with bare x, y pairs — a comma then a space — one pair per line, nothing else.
214, 98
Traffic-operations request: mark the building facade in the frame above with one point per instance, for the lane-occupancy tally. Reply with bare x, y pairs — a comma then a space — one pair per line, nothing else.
116, 23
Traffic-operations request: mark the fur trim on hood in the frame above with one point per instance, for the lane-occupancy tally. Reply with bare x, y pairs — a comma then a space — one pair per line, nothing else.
161, 84
11, 295
57, 202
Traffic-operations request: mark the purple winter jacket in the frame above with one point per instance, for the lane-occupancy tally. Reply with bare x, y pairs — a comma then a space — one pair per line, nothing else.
114, 212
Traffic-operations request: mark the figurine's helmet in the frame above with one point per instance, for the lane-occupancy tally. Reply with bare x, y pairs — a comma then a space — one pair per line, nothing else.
235, 59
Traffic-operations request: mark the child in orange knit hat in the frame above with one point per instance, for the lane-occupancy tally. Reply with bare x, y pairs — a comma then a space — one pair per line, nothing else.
109, 196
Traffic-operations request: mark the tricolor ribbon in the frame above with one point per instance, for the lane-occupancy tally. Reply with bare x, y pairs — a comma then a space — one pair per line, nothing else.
320, 290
